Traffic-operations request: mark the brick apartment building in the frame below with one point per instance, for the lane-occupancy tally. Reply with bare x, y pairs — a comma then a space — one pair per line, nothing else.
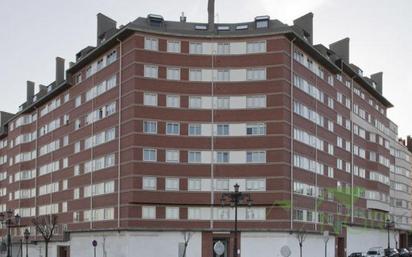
134, 144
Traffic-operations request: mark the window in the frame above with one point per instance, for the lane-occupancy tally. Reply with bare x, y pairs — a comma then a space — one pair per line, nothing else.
330, 103
172, 213
65, 163
222, 157
256, 129
194, 184
222, 184
77, 124
262, 24
78, 101
222, 129
173, 101
256, 101
173, 46
77, 147
330, 80
223, 48
255, 185
223, 75
148, 212
66, 98
172, 155
100, 64
172, 128
151, 71
149, 155
150, 99
195, 102
256, 74
256, 47
111, 57
256, 157
173, 74
195, 48
194, 157
150, 127
223, 102
78, 78
172, 184
195, 129
195, 75
149, 183
151, 44
65, 140
76, 193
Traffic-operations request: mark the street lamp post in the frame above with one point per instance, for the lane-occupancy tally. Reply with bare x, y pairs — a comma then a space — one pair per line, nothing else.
326, 239
6, 218
26, 237
389, 224
235, 199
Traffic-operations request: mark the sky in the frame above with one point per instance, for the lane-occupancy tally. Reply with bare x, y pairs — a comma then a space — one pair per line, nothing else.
33, 33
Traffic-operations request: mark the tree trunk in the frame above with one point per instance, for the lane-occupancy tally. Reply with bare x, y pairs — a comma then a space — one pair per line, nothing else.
47, 248
300, 248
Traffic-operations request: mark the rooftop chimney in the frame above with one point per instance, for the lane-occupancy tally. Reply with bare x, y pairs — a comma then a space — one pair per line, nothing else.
211, 15
409, 143
30, 91
183, 17
341, 48
378, 79
306, 23
104, 25
59, 70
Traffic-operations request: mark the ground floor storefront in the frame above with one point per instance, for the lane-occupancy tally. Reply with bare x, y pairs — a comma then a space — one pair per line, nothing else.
200, 244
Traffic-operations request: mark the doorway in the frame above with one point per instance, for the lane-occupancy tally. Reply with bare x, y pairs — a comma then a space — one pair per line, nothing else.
341, 247
63, 251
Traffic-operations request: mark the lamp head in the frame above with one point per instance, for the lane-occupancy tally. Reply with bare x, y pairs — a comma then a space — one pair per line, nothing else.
26, 234
236, 187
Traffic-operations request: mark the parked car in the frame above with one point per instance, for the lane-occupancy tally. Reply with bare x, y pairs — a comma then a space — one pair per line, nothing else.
375, 252
357, 254
391, 252
403, 252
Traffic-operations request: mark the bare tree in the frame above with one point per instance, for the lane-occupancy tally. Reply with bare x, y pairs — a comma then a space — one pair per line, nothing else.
46, 226
186, 237
300, 236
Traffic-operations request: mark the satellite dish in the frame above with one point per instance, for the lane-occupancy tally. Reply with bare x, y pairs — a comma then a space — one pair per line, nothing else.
285, 251
219, 248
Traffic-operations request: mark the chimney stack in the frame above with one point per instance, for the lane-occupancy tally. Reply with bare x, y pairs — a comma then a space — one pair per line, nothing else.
183, 18
211, 15
409, 143
378, 79
59, 70
30, 91
341, 48
104, 26
306, 23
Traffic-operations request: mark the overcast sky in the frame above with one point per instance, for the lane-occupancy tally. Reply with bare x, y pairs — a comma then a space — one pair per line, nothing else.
33, 33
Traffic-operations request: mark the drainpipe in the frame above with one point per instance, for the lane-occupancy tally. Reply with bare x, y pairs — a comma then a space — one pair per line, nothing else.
119, 133
291, 132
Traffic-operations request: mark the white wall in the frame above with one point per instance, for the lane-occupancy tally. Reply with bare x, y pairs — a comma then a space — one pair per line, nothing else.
268, 244
361, 239
136, 244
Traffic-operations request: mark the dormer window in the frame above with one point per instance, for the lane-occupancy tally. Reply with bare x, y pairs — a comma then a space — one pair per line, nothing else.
223, 28
200, 27
242, 27
155, 19
262, 22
